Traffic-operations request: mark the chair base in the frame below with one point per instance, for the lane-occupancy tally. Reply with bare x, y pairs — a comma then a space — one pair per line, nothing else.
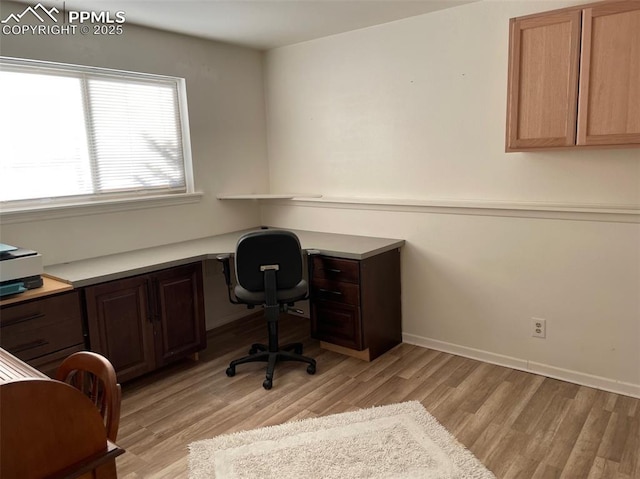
261, 352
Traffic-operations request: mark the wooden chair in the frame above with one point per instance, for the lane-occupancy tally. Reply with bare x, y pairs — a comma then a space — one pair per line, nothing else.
94, 375
50, 429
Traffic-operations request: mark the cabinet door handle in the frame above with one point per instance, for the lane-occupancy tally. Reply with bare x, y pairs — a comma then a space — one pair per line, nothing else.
328, 291
155, 287
33, 344
150, 300
11, 322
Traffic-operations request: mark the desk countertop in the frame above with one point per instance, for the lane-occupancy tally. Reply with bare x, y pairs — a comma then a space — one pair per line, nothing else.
106, 268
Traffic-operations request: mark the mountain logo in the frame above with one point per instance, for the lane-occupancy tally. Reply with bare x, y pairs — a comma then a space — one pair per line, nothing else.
35, 12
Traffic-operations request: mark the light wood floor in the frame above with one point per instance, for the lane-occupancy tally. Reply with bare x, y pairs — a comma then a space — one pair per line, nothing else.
519, 425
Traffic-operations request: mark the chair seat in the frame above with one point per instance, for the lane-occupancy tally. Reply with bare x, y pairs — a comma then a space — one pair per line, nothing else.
290, 295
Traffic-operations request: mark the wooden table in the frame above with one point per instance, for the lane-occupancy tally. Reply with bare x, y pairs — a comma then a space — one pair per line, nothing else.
48, 428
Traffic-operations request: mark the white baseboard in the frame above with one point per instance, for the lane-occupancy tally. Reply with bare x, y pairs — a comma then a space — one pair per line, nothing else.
598, 382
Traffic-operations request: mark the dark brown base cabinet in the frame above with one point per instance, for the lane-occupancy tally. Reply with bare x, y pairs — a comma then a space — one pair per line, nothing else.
144, 322
355, 304
43, 331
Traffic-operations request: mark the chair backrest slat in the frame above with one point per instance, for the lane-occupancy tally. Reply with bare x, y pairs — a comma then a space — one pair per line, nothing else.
94, 375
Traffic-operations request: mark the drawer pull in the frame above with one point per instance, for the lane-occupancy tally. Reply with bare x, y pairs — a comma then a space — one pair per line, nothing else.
330, 270
321, 290
33, 344
11, 322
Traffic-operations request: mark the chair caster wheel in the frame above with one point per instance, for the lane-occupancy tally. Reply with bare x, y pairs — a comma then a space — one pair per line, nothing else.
311, 369
267, 384
231, 372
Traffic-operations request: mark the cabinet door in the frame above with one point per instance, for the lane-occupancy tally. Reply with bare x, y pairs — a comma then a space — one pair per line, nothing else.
609, 108
543, 80
120, 325
179, 317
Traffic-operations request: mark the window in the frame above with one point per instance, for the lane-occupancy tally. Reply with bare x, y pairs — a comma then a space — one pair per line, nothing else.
80, 134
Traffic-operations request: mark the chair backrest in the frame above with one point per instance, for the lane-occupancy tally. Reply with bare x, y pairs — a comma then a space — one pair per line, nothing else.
268, 247
94, 375
45, 427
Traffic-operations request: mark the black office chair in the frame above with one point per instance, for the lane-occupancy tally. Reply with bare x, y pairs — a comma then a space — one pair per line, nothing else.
269, 272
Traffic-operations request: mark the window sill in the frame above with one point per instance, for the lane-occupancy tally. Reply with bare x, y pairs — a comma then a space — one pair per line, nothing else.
50, 212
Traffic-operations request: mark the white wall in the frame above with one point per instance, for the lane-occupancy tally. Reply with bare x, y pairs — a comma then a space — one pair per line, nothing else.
415, 109
228, 139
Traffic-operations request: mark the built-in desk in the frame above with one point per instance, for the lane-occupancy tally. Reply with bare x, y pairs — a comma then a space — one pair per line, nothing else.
143, 309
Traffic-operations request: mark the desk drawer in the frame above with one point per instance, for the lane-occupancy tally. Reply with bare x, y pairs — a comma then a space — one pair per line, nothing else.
338, 291
49, 363
337, 323
33, 329
336, 269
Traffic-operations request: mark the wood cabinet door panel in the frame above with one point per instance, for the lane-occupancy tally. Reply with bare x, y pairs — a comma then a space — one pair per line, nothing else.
543, 80
143, 322
120, 325
337, 323
180, 322
609, 104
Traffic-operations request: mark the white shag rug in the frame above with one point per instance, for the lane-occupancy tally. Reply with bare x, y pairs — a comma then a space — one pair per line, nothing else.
399, 441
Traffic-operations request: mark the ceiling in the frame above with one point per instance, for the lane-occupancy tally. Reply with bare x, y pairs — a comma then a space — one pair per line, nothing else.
260, 24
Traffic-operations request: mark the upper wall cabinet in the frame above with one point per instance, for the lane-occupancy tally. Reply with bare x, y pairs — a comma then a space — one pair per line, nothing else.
574, 78
609, 102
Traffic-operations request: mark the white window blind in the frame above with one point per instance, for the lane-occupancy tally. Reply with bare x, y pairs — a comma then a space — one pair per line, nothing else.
71, 133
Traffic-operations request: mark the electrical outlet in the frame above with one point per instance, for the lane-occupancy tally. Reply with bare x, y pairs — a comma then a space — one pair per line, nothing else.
538, 328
